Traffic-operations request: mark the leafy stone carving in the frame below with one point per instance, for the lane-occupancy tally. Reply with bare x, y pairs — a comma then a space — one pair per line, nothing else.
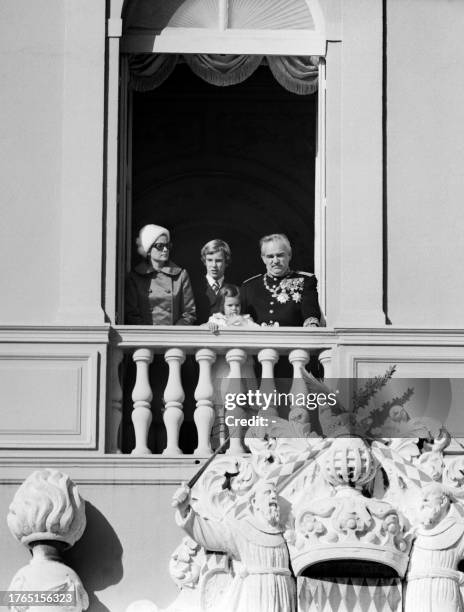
47, 515
389, 502
47, 506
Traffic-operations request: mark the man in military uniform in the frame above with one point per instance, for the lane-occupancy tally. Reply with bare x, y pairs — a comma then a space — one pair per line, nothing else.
281, 296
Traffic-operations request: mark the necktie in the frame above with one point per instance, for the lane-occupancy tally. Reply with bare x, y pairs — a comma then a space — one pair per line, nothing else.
216, 288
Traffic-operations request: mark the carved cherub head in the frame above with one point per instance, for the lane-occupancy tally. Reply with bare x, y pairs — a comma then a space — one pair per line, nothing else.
264, 502
434, 505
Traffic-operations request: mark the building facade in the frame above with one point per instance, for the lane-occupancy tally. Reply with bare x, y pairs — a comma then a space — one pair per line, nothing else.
384, 225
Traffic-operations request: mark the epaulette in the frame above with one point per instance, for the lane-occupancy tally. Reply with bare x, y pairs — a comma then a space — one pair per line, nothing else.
304, 273
251, 278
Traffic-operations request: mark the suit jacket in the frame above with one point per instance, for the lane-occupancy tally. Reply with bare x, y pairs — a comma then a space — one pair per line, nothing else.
206, 301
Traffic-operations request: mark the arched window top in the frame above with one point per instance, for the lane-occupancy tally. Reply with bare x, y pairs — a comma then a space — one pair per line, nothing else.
224, 26
274, 15
223, 14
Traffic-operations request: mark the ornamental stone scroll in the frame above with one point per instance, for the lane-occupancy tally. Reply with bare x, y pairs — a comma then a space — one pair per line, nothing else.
47, 515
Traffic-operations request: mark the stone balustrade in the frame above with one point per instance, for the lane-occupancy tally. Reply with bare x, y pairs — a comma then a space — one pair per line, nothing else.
267, 346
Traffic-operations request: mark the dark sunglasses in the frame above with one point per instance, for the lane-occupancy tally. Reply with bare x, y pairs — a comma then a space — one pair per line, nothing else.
160, 246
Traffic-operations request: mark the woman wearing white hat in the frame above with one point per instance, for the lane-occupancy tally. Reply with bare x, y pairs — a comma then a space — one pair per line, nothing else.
158, 292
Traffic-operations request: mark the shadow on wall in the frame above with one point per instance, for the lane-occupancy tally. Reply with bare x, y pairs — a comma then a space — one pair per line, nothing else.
97, 557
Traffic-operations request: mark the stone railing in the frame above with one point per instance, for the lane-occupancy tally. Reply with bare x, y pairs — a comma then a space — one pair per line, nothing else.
175, 344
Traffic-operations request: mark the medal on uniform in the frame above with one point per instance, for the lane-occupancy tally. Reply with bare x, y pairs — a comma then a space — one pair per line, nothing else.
287, 289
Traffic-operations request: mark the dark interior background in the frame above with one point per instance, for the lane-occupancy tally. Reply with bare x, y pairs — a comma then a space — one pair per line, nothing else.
232, 162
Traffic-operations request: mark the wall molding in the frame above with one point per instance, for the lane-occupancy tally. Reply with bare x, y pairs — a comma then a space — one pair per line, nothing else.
52, 394
105, 470
93, 334
163, 335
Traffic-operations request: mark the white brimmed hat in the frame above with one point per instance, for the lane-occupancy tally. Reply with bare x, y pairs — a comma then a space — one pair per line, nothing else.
148, 235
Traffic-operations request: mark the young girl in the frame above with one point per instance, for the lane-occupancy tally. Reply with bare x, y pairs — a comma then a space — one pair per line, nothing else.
229, 311
228, 317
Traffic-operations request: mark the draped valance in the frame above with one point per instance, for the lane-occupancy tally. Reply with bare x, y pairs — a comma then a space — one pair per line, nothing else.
296, 74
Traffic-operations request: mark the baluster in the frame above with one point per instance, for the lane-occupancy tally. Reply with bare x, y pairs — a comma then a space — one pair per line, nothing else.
142, 396
268, 358
235, 358
325, 358
115, 415
174, 396
298, 358
204, 412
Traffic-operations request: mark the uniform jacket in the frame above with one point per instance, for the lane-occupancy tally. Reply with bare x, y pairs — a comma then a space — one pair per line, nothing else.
295, 299
161, 297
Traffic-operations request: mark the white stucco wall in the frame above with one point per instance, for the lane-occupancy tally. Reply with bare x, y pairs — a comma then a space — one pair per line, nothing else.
425, 162
31, 76
124, 553
51, 160
354, 168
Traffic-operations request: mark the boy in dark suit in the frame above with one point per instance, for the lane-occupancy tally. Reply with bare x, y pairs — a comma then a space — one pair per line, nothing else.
215, 256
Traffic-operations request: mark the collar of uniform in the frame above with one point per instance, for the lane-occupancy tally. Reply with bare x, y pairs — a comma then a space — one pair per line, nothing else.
211, 281
277, 279
171, 269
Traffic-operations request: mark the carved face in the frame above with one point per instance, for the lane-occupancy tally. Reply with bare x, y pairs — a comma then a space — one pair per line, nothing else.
434, 507
265, 504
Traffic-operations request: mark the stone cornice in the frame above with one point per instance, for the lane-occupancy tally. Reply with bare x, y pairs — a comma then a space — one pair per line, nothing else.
286, 338
82, 334
397, 336
185, 336
104, 470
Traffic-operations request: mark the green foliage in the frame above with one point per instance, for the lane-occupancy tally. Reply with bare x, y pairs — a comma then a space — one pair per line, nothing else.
362, 397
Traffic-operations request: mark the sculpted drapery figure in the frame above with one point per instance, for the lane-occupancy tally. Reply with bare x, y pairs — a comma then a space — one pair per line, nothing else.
264, 582
433, 581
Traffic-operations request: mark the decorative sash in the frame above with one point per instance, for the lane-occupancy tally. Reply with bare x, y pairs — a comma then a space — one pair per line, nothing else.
437, 572
251, 571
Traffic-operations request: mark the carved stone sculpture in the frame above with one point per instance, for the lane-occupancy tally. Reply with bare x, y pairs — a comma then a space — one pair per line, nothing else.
48, 515
339, 502
347, 524
433, 582
263, 581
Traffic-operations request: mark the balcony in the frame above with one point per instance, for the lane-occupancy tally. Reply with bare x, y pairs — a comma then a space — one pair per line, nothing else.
175, 344
63, 387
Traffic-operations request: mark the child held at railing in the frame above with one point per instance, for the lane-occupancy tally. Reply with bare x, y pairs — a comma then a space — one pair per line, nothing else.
229, 311
228, 317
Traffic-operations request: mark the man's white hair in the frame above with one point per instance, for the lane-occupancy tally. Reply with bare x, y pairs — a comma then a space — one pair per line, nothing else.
276, 238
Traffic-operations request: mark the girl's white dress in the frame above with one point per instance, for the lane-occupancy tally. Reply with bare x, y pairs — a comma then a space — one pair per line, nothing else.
221, 370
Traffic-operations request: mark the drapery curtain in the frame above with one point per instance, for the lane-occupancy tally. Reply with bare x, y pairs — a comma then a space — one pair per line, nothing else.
296, 74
